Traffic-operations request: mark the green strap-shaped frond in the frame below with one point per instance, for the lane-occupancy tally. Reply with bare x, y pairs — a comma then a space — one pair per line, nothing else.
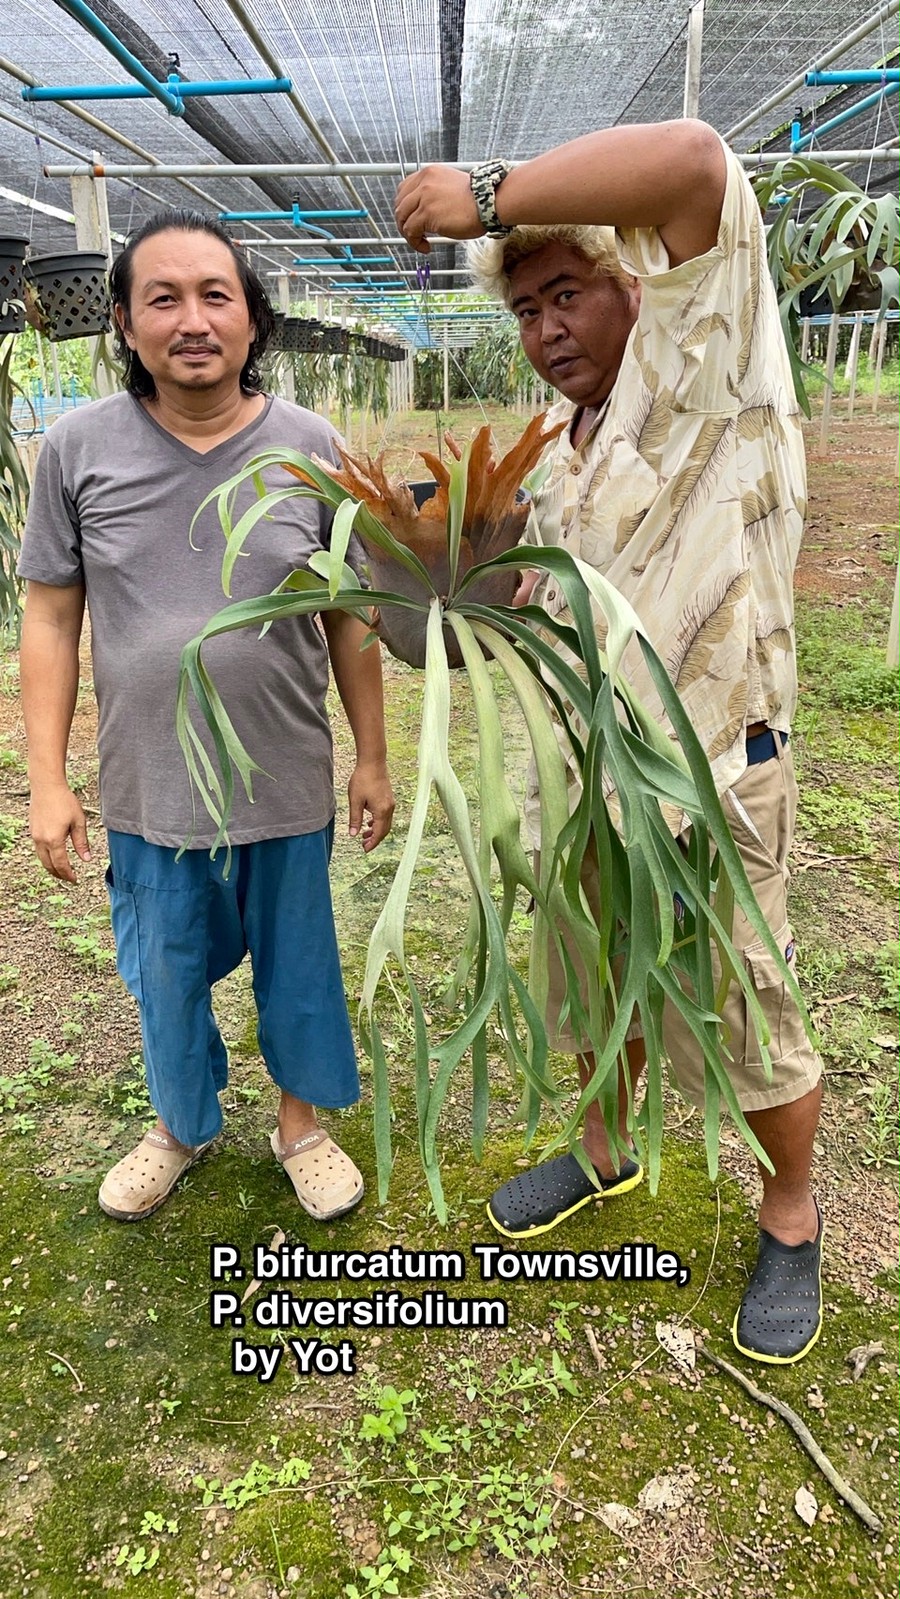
610, 780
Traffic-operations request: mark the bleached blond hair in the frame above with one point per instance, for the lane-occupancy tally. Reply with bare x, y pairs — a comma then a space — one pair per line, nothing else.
491, 261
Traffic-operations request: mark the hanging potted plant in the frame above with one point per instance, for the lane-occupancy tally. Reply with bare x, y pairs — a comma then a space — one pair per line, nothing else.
71, 294
12, 288
443, 577
843, 253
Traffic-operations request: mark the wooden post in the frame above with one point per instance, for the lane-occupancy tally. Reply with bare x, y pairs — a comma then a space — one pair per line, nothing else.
691, 106
92, 233
288, 389
829, 382
893, 655
804, 340
873, 340
853, 362
879, 360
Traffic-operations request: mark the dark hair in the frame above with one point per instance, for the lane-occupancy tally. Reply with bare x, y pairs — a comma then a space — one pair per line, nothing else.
136, 377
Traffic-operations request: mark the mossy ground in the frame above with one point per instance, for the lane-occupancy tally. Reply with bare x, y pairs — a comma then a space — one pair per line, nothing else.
119, 1394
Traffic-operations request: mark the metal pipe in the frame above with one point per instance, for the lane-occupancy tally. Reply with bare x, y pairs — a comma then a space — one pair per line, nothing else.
325, 265
382, 169
83, 14
136, 91
887, 75
866, 104
843, 45
257, 169
410, 272
770, 158
71, 149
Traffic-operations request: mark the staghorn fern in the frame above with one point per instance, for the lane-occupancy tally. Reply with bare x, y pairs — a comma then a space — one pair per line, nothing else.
615, 741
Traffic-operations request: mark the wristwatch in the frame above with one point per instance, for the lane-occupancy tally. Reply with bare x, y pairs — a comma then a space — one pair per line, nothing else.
485, 180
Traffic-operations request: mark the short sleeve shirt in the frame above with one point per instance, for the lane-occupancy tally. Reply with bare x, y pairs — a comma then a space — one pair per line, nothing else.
112, 507
690, 492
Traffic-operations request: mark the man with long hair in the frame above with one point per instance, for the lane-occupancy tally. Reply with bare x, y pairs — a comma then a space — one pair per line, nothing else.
113, 524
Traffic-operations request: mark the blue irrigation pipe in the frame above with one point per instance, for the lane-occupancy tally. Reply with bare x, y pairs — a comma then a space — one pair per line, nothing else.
295, 215
817, 79
173, 85
844, 116
136, 68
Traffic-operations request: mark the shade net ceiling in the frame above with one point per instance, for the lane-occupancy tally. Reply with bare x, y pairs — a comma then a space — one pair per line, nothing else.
398, 81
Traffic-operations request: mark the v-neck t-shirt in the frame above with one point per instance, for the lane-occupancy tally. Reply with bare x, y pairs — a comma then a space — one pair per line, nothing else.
112, 507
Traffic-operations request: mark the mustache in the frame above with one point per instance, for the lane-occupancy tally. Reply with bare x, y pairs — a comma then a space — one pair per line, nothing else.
194, 344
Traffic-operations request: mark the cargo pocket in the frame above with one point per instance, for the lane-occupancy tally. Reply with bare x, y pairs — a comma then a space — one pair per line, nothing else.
778, 1006
123, 912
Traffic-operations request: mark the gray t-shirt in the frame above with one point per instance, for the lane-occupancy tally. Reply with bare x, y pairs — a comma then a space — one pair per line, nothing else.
111, 507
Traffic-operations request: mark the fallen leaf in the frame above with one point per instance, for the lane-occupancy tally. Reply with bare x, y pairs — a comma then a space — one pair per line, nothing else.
884, 1041
618, 1518
678, 1342
859, 1358
815, 1398
669, 1491
806, 1506
275, 1242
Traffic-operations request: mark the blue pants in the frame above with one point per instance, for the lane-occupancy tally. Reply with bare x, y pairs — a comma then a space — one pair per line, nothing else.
179, 927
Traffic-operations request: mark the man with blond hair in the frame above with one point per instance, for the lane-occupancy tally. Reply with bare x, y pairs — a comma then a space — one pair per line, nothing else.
634, 260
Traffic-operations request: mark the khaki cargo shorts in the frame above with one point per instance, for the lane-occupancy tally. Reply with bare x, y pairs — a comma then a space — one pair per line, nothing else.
761, 809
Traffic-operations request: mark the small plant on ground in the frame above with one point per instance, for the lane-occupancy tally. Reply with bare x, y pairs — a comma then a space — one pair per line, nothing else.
22, 1091
258, 1481
10, 832
885, 963
388, 1421
128, 1094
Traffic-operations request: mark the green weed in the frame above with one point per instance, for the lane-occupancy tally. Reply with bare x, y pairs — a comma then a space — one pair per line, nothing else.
881, 1133
869, 685
388, 1421
22, 1091
258, 1481
887, 970
128, 1094
11, 761
383, 1578
10, 832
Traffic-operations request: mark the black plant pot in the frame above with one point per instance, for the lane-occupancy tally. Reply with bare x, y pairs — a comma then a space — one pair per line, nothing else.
12, 286
72, 294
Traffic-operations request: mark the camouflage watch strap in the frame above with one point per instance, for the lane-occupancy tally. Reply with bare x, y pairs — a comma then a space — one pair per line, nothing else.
485, 181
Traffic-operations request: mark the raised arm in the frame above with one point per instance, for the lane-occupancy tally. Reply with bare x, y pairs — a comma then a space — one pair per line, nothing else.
51, 631
664, 175
357, 673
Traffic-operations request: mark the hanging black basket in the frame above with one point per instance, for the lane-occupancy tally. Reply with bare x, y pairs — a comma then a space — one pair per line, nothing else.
335, 341
72, 293
298, 334
12, 287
